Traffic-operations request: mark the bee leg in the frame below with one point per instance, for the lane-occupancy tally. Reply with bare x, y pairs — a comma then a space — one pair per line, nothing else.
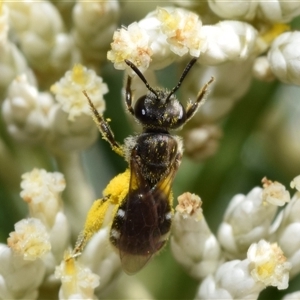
113, 194
93, 223
192, 107
104, 128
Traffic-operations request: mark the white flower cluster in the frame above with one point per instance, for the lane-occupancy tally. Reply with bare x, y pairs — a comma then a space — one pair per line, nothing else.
168, 32
41, 191
33, 116
48, 47
157, 39
248, 218
62, 125
68, 91
249, 258
38, 242
72, 126
26, 111
39, 29
265, 265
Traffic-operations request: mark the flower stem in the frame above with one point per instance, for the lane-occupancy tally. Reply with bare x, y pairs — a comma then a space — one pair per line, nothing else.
78, 195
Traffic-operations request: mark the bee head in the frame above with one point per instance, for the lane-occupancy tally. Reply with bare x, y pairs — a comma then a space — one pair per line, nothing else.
160, 109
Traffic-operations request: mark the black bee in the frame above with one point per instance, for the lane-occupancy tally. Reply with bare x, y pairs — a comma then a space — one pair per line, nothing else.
143, 214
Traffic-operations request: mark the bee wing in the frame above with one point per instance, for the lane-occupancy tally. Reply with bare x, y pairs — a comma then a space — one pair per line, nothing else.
132, 264
149, 215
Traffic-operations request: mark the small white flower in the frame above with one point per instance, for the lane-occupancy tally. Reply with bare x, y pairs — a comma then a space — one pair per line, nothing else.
284, 59
78, 282
285, 233
234, 9
292, 296
202, 141
41, 190
189, 205
38, 182
261, 69
59, 235
268, 11
268, 264
246, 220
227, 41
38, 28
30, 239
94, 24
130, 43
19, 278
161, 55
274, 193
183, 30
68, 91
232, 280
295, 183
280, 11
26, 111
100, 257
22, 12
193, 245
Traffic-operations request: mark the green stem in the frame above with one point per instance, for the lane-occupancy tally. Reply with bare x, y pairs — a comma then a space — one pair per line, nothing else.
79, 194
12, 172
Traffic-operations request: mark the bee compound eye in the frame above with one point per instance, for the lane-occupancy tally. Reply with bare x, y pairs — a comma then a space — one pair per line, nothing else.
176, 115
144, 111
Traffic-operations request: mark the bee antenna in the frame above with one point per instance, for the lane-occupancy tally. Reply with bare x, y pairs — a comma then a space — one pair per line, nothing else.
184, 73
139, 73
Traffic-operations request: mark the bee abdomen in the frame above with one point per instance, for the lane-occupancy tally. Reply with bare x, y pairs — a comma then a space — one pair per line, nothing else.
142, 225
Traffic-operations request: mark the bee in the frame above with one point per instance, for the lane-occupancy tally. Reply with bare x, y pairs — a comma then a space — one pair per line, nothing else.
142, 195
